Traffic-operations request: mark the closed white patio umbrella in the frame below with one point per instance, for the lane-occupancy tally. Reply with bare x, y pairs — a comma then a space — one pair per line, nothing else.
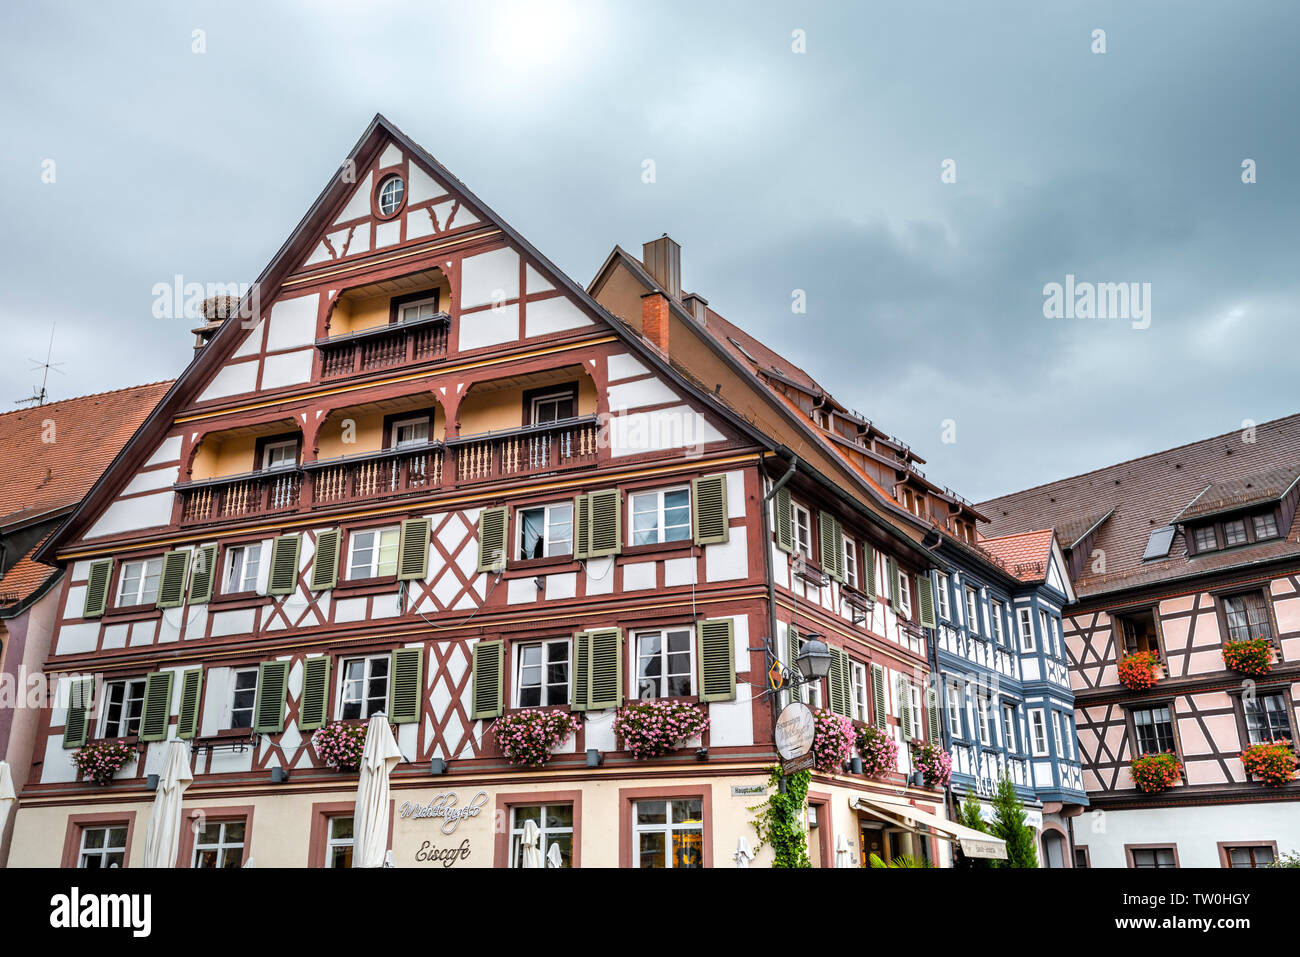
532, 845
7, 795
163, 837
371, 816
843, 853
554, 857
743, 854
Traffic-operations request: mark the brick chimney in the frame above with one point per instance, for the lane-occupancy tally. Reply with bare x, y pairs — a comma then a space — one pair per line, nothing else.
654, 319
662, 259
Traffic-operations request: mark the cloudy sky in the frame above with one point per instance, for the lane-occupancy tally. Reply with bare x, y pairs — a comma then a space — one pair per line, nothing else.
777, 170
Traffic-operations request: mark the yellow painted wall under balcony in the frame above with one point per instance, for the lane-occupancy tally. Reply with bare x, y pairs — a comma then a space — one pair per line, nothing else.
367, 433
232, 455
502, 409
355, 313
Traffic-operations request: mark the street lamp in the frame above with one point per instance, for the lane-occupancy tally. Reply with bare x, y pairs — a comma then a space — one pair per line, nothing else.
814, 659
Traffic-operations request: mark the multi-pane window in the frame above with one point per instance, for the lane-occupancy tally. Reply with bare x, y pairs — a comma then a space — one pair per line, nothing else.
664, 666
1205, 538
850, 562
554, 821
1026, 630
904, 595
242, 565
1234, 532
338, 842
542, 673
390, 195
546, 530
1009, 726
243, 697
1045, 629
139, 584
941, 598
103, 847
420, 309
1255, 855
801, 530
972, 610
219, 844
996, 609
123, 705
1056, 734
363, 687
373, 554
859, 672
663, 515
669, 833
982, 718
1247, 616
1038, 732
1265, 526
554, 407
954, 709
280, 454
1153, 857
410, 432
1154, 728
1266, 718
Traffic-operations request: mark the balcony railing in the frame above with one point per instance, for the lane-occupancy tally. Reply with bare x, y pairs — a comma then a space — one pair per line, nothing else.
529, 450
390, 472
258, 493
417, 340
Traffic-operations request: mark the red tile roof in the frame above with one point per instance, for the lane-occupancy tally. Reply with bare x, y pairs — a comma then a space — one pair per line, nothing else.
1024, 555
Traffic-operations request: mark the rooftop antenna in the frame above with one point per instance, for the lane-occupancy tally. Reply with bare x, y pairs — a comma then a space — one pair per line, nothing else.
38, 397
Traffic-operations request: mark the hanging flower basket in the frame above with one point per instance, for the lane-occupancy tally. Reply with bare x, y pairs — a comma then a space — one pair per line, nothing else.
651, 728
934, 763
340, 745
1273, 762
1138, 672
1254, 656
833, 738
879, 751
98, 761
1156, 772
528, 737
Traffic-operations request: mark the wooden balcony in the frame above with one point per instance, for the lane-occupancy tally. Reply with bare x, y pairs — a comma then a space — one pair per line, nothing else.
383, 347
376, 474
530, 450
257, 493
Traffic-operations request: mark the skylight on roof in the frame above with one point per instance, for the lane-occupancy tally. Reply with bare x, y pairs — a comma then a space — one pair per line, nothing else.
1159, 542
742, 349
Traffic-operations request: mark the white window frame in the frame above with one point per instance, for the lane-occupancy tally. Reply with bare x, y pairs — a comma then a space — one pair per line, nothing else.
150, 568
971, 595
941, 597
982, 719
996, 611
1056, 733
107, 849
549, 549
547, 833
367, 677
1038, 732
232, 583
954, 696
235, 675
376, 566
123, 726
416, 304
1026, 621
397, 425
222, 846
667, 829
858, 672
801, 529
1009, 727
660, 528
663, 634
904, 595
1045, 626
385, 202
545, 646
332, 842
559, 395
270, 447
850, 562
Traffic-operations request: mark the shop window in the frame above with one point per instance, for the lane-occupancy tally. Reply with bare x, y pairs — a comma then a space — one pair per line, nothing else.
669, 833
103, 847
555, 821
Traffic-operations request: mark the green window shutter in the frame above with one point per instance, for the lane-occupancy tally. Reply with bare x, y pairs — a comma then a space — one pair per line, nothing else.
838, 679
203, 572
925, 600
492, 525
891, 583
315, 693
715, 652
932, 715
581, 527
869, 586
709, 519
272, 686
781, 518
406, 689
832, 543
75, 725
879, 708
489, 661
157, 706
284, 565
413, 552
578, 699
604, 669
325, 563
171, 585
904, 707
101, 576
605, 520
187, 722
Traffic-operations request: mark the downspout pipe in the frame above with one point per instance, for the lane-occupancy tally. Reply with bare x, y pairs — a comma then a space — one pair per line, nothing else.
771, 580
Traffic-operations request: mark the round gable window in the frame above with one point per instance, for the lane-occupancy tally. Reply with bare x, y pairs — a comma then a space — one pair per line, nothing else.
391, 193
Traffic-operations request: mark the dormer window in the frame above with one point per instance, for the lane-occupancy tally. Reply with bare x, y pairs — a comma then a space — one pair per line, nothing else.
1205, 539
1233, 532
1265, 526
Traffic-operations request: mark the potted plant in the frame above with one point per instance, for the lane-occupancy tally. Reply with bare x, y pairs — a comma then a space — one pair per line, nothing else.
1139, 671
651, 728
1156, 772
833, 738
1252, 656
529, 736
1273, 762
934, 763
340, 744
98, 761
879, 751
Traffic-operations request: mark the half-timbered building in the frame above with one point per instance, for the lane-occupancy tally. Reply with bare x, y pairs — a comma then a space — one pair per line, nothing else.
1182, 561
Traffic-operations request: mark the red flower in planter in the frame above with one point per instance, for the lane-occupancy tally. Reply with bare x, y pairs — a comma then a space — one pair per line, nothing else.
1156, 772
1137, 672
1254, 656
1273, 762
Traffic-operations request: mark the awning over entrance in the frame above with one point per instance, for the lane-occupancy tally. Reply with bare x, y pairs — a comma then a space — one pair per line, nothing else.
973, 843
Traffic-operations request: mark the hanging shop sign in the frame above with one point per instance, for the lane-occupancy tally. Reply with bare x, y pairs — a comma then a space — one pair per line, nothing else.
795, 727
447, 808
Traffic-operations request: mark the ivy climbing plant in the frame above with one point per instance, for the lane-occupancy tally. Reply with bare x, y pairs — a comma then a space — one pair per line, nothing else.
780, 820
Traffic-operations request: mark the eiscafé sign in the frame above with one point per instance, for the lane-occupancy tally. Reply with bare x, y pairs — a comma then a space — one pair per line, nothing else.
795, 728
